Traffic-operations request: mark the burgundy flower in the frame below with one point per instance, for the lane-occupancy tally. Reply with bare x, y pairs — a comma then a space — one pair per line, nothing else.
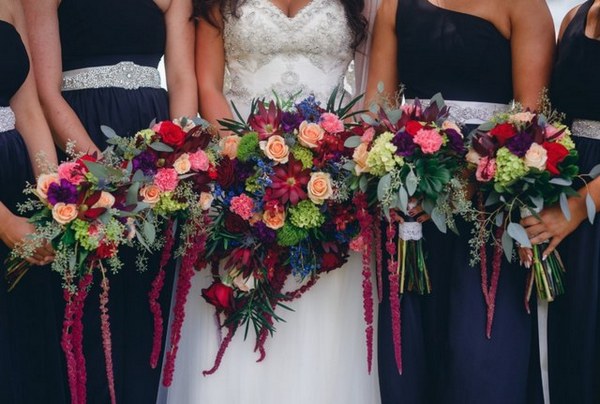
63, 192
289, 182
266, 122
404, 142
220, 296
520, 143
234, 224
456, 142
226, 172
145, 161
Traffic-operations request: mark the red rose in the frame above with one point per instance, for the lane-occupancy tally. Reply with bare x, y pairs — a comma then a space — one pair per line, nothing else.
503, 132
86, 157
170, 133
226, 172
412, 127
220, 296
556, 154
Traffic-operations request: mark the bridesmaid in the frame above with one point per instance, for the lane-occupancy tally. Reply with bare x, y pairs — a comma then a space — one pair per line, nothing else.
574, 319
30, 358
480, 55
96, 64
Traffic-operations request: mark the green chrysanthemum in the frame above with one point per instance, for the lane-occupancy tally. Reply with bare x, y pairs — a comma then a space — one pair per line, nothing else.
508, 167
82, 235
382, 158
252, 184
248, 146
303, 155
290, 235
167, 204
306, 215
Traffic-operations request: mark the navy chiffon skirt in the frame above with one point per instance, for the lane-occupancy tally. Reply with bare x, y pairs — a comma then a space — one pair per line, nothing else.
32, 368
126, 112
574, 318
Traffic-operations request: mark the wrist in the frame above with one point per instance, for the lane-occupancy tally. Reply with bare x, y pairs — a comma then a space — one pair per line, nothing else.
578, 209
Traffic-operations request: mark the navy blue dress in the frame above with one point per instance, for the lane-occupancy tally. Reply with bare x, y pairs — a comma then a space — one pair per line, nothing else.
101, 33
31, 362
447, 357
574, 319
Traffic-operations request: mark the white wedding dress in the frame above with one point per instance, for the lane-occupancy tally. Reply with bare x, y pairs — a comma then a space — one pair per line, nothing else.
318, 356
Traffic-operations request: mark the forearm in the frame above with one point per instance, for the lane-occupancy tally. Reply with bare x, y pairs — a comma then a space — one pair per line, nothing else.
33, 129
183, 97
214, 106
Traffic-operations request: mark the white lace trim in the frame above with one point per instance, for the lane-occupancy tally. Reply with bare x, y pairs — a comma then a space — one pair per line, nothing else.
410, 231
7, 119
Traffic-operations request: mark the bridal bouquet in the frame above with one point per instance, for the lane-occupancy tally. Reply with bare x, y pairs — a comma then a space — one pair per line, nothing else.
282, 208
522, 163
174, 169
87, 209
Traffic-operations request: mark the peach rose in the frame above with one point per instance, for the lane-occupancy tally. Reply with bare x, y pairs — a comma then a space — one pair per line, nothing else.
206, 200
309, 134
319, 187
276, 149
274, 218
43, 183
182, 165
522, 117
64, 213
536, 157
360, 158
473, 157
106, 201
229, 146
450, 125
151, 194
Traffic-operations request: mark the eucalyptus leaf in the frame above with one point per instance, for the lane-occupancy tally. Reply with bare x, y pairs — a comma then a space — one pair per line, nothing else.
499, 219
138, 176
363, 183
349, 165
507, 246
538, 201
561, 181
353, 142
427, 206
411, 183
108, 131
403, 198
595, 171
517, 232
394, 115
437, 99
368, 119
132, 193
439, 218
149, 232
161, 147
492, 199
591, 208
97, 169
564, 206
486, 126
383, 186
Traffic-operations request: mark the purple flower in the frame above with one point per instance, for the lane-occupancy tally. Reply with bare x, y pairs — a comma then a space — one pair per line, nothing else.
455, 141
520, 143
145, 161
404, 142
264, 234
63, 192
290, 121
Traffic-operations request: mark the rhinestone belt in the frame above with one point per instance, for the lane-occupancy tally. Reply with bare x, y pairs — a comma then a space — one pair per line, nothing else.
7, 119
585, 128
125, 75
471, 113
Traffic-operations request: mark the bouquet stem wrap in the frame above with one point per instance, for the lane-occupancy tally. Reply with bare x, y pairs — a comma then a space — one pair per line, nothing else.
413, 273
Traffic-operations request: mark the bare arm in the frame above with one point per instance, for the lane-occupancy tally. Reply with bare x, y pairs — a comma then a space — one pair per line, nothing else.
179, 60
532, 43
42, 20
210, 69
382, 66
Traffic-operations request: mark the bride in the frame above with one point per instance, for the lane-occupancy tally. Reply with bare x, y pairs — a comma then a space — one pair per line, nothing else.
318, 356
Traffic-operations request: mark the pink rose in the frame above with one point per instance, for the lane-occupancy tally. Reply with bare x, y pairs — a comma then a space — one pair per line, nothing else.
44, 182
331, 123
199, 161
166, 179
64, 213
310, 134
429, 140
229, 146
368, 136
71, 172
485, 169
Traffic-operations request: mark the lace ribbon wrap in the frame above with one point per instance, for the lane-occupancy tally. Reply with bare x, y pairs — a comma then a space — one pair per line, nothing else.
410, 231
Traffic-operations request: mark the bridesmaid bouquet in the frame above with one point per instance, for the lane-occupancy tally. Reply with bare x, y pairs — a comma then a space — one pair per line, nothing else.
282, 208
522, 163
174, 170
87, 209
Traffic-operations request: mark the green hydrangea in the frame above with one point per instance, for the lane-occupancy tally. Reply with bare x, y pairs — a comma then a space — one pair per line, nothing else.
508, 167
252, 184
306, 215
248, 146
382, 158
303, 155
82, 235
290, 235
167, 204
567, 140
146, 135
114, 230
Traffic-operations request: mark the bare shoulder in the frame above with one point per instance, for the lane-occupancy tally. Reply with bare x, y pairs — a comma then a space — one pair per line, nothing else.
528, 9
7, 10
567, 20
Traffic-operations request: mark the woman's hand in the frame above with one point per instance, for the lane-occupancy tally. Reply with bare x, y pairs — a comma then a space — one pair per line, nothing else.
14, 232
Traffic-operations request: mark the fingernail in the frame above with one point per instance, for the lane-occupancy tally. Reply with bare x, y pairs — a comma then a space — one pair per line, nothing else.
521, 262
544, 257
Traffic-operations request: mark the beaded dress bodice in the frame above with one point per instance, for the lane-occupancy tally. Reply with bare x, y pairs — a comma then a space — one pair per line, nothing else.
268, 52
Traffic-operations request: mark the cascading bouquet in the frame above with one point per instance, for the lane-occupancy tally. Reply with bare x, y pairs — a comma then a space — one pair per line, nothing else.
173, 173
87, 209
523, 162
282, 208
412, 154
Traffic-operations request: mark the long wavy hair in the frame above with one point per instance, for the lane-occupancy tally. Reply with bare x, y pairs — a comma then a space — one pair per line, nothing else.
356, 21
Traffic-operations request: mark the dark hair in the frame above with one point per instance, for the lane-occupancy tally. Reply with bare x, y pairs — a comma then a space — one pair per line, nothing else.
356, 21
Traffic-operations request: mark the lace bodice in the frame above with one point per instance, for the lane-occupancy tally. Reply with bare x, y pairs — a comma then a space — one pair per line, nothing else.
266, 51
